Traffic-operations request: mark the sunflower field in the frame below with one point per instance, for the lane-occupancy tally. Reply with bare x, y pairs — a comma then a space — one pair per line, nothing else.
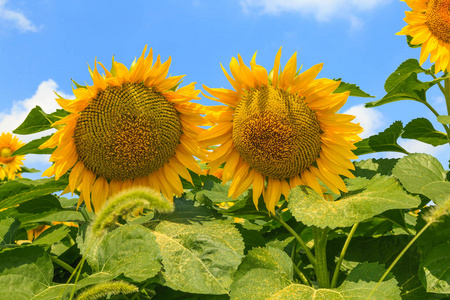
152, 195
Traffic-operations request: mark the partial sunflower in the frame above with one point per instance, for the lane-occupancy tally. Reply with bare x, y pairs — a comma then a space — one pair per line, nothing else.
429, 26
132, 127
10, 166
280, 130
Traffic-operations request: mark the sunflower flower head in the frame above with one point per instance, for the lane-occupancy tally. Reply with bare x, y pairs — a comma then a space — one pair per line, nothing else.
10, 166
279, 130
132, 127
429, 26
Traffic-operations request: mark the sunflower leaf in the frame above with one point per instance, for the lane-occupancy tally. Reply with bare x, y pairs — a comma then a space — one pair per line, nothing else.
21, 190
33, 147
8, 228
354, 90
24, 272
365, 199
408, 89
266, 283
434, 247
422, 130
423, 174
402, 72
444, 119
383, 141
130, 250
385, 250
200, 257
37, 121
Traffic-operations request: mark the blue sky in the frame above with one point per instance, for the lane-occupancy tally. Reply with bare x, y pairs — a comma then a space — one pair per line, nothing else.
44, 44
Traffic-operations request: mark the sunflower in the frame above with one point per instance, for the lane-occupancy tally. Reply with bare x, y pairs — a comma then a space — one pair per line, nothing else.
429, 26
132, 127
10, 165
280, 130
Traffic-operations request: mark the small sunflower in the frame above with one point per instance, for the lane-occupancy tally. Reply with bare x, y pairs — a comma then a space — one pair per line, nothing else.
429, 26
10, 165
132, 127
280, 130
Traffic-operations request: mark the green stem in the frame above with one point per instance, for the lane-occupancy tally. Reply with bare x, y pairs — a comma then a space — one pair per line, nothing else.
311, 258
341, 257
398, 258
447, 94
62, 264
439, 84
301, 275
85, 214
320, 250
80, 268
447, 130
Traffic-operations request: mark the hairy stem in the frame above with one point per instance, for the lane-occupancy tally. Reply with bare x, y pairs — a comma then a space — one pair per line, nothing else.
61, 263
311, 258
320, 250
341, 257
301, 275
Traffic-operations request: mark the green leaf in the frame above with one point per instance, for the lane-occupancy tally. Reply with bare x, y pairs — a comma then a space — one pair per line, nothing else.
422, 130
24, 272
383, 141
245, 208
37, 121
269, 258
187, 211
33, 147
8, 228
266, 284
417, 171
52, 235
200, 257
370, 167
55, 292
409, 89
434, 269
444, 119
214, 192
403, 71
434, 246
365, 199
21, 190
130, 250
385, 250
29, 170
43, 209
354, 90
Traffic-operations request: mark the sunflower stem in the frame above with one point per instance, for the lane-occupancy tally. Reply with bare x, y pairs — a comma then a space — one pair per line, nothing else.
341, 257
447, 130
320, 250
310, 256
447, 94
85, 214
301, 275
62, 263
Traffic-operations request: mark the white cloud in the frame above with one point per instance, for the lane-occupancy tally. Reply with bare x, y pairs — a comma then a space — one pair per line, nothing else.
16, 18
370, 119
322, 10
